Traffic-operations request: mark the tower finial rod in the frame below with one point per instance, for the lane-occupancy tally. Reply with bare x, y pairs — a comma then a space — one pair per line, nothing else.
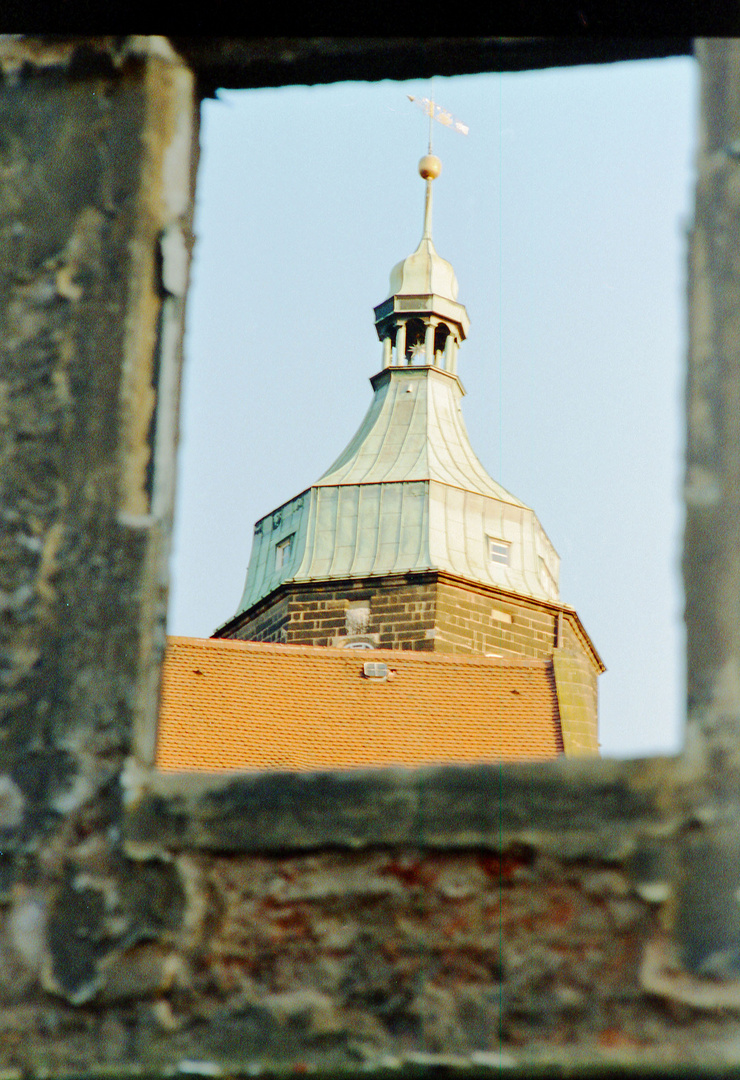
430, 166
429, 169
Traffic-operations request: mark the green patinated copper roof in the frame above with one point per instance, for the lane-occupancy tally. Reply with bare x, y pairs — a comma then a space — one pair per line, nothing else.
414, 430
408, 493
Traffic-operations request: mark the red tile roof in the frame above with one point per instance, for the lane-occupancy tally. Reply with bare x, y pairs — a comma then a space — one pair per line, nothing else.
247, 705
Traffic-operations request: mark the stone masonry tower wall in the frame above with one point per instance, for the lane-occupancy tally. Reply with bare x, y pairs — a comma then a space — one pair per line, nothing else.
431, 612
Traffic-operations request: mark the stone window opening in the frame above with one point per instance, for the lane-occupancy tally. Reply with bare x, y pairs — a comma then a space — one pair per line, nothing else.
441, 335
663, 830
472, 401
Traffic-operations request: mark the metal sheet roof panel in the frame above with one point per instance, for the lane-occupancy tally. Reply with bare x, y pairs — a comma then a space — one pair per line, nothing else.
414, 430
407, 494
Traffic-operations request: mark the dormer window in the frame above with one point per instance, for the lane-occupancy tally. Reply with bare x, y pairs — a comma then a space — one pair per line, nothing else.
283, 551
498, 551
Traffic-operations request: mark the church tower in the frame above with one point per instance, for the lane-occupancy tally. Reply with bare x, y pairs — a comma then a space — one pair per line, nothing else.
406, 542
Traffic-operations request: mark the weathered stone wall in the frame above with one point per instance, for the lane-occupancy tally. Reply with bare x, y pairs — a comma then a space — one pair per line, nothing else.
474, 619
340, 961
394, 951
268, 624
428, 612
97, 164
484, 620
573, 914
404, 617
401, 613
328, 960
578, 701
483, 915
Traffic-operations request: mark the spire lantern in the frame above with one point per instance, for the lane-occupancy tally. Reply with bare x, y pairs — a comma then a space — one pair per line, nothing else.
421, 321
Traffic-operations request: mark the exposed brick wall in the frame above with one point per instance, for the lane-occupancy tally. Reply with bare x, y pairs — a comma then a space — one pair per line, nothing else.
401, 951
401, 614
467, 619
329, 959
405, 617
316, 617
423, 612
267, 625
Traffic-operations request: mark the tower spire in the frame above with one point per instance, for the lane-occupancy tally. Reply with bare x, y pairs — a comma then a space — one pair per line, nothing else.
421, 322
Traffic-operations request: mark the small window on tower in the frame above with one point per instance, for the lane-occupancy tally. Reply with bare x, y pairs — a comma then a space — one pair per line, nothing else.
498, 551
283, 550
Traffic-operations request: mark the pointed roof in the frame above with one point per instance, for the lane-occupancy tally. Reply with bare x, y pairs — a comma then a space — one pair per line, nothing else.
423, 282
414, 430
407, 495
424, 272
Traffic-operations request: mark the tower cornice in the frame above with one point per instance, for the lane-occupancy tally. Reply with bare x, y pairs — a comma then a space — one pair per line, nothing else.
401, 307
417, 370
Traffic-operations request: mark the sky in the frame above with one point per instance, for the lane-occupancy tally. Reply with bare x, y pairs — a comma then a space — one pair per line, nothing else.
564, 212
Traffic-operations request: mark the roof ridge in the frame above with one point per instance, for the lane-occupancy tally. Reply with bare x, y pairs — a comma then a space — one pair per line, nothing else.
404, 656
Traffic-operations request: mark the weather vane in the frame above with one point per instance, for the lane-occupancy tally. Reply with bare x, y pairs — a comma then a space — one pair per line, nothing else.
442, 116
430, 166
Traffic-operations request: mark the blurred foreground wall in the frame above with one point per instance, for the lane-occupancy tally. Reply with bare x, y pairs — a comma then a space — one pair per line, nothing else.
568, 915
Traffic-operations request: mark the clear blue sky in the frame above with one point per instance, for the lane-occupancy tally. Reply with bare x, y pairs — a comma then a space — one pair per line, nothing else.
564, 213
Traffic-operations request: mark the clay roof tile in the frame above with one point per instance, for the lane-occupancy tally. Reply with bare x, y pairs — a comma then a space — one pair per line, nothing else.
235, 705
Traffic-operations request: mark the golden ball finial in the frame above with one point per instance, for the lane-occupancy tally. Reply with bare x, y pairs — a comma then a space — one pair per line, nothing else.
430, 167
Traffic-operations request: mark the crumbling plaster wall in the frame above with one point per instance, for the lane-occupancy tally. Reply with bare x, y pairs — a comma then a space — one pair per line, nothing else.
565, 914
97, 160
